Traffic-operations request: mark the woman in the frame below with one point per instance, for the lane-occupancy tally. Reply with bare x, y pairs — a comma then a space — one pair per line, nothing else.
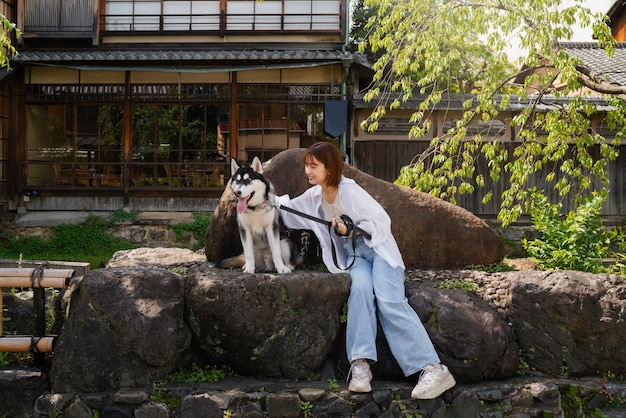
376, 270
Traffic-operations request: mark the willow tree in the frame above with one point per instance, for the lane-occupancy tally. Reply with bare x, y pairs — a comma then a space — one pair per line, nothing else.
7, 50
431, 48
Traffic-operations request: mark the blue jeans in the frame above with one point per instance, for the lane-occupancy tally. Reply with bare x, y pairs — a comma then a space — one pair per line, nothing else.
376, 285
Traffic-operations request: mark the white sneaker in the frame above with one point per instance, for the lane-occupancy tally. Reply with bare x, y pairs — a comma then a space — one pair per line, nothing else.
361, 376
435, 380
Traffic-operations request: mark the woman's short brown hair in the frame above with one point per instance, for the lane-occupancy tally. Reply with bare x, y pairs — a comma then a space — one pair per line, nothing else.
327, 154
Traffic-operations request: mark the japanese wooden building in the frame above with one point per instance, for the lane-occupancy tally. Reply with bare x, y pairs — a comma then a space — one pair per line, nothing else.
142, 103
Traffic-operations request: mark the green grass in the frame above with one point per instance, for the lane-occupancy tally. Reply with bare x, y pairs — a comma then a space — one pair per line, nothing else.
492, 268
198, 374
467, 285
199, 227
88, 241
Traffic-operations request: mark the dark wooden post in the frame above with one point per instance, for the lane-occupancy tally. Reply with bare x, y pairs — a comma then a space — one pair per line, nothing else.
39, 308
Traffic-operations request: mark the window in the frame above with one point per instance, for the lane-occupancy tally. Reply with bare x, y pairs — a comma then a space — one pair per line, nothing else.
205, 15
133, 15
265, 130
80, 146
73, 145
191, 15
180, 135
177, 145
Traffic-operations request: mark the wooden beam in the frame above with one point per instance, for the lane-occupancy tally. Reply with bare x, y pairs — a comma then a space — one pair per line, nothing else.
234, 117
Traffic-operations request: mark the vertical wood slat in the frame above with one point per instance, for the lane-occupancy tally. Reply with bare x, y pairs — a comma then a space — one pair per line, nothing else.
59, 15
384, 159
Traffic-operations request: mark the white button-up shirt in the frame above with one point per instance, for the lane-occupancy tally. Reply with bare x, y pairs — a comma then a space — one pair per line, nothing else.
363, 209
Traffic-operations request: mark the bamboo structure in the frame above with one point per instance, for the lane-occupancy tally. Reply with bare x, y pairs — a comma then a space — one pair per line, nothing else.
19, 277
21, 344
45, 282
37, 279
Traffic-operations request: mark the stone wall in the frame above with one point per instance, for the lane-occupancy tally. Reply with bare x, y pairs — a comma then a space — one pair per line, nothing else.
559, 318
23, 394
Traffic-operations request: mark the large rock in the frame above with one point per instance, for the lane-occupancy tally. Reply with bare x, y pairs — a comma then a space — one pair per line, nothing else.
18, 389
125, 329
167, 258
430, 232
265, 324
568, 322
470, 337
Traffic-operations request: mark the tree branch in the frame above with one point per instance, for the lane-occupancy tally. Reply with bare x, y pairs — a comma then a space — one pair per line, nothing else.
592, 81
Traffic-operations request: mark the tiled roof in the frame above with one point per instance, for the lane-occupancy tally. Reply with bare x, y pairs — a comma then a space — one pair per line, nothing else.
592, 56
457, 102
175, 56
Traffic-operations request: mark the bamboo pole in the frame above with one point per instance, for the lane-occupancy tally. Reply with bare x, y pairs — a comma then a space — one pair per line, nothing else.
22, 344
13, 277
56, 282
26, 272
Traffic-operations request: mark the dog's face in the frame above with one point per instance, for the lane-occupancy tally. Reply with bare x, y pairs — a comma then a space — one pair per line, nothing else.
248, 184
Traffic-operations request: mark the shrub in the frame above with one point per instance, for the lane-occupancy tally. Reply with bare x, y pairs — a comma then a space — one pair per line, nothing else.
578, 241
198, 227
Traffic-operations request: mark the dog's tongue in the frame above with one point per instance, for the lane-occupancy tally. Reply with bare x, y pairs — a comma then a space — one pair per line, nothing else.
242, 204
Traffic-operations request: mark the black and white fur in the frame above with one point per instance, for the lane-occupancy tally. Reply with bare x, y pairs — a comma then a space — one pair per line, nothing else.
264, 249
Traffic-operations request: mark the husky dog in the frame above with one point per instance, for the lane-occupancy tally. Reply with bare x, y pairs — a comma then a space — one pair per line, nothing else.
260, 227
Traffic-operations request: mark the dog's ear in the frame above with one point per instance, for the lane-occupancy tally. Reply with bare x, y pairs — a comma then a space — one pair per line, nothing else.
257, 166
233, 166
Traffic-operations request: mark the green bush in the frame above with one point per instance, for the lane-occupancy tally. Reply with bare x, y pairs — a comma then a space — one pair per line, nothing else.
618, 241
578, 241
198, 227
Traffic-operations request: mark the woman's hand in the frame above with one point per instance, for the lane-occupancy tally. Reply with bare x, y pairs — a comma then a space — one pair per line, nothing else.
340, 228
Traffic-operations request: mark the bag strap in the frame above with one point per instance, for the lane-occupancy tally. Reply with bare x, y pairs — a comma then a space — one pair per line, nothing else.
332, 244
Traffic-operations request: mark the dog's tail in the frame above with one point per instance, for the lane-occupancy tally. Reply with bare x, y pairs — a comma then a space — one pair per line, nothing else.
230, 263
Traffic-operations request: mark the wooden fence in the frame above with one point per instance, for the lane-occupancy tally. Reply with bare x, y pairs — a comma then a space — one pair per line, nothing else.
384, 159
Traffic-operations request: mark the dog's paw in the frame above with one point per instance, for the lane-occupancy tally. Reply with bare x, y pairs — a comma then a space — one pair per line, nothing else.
283, 270
248, 269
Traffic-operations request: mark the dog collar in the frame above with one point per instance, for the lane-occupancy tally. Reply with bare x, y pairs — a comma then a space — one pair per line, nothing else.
259, 206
